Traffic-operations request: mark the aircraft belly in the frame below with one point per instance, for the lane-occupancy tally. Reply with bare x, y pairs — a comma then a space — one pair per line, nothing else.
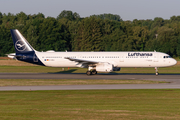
142, 63
137, 63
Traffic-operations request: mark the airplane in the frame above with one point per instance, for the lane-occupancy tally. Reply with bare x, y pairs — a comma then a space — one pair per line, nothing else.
93, 61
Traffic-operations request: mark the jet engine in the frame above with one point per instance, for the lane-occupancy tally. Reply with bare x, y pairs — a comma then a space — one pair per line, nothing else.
104, 67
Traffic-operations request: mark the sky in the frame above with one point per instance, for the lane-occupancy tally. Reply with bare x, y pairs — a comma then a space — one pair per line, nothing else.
127, 9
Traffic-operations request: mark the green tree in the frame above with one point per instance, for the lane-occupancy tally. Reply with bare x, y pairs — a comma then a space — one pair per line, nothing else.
167, 41
1, 16
158, 22
108, 17
68, 15
50, 37
178, 46
89, 35
6, 43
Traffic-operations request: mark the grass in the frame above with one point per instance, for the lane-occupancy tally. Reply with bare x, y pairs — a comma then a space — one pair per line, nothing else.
38, 82
90, 104
86, 104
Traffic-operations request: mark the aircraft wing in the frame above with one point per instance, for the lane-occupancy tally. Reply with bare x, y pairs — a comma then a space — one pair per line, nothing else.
83, 63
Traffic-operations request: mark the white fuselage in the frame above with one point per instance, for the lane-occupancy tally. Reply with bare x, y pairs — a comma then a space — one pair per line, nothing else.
118, 59
94, 61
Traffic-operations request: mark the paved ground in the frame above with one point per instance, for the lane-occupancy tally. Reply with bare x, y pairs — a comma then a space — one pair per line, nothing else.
173, 79
92, 87
84, 76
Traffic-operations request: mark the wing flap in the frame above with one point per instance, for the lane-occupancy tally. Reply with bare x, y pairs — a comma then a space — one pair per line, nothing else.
80, 61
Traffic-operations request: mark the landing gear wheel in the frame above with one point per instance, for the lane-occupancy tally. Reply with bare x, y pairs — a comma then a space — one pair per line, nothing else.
157, 74
156, 71
89, 73
94, 72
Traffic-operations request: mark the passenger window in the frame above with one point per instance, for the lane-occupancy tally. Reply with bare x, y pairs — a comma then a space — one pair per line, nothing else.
167, 57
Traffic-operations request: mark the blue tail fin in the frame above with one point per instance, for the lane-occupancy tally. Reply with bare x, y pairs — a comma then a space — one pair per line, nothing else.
21, 45
24, 51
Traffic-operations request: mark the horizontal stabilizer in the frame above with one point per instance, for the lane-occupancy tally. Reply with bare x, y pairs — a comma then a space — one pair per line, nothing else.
14, 56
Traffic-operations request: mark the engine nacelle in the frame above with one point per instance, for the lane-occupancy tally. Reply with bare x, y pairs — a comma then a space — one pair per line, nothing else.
116, 68
104, 67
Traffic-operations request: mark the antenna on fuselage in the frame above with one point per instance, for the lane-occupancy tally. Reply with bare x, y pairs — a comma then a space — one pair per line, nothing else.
154, 50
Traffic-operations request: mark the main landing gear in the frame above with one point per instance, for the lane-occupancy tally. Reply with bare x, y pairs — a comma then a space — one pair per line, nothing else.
91, 72
156, 71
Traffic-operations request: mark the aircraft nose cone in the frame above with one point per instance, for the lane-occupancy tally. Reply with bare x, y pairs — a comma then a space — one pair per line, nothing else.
174, 62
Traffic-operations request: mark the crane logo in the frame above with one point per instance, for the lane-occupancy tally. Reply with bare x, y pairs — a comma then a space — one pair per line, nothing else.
20, 45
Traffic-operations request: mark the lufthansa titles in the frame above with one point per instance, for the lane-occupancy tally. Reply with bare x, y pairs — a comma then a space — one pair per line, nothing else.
140, 54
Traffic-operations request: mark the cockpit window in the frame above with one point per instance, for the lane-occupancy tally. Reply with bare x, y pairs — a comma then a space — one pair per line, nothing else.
167, 56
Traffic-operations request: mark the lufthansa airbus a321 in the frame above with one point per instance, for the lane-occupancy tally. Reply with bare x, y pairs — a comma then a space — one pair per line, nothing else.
93, 61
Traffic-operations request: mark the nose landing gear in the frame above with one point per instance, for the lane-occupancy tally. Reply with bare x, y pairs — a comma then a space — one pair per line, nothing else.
156, 69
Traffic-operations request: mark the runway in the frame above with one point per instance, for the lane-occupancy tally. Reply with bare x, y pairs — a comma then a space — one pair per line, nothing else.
173, 79
109, 76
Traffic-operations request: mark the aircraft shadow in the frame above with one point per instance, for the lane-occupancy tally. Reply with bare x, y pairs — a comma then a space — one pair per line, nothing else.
70, 71
135, 74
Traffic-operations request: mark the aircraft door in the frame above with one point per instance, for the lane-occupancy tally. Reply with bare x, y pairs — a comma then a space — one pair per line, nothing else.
156, 58
121, 59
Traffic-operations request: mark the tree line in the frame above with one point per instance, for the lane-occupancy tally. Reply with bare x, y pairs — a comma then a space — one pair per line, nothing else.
104, 32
